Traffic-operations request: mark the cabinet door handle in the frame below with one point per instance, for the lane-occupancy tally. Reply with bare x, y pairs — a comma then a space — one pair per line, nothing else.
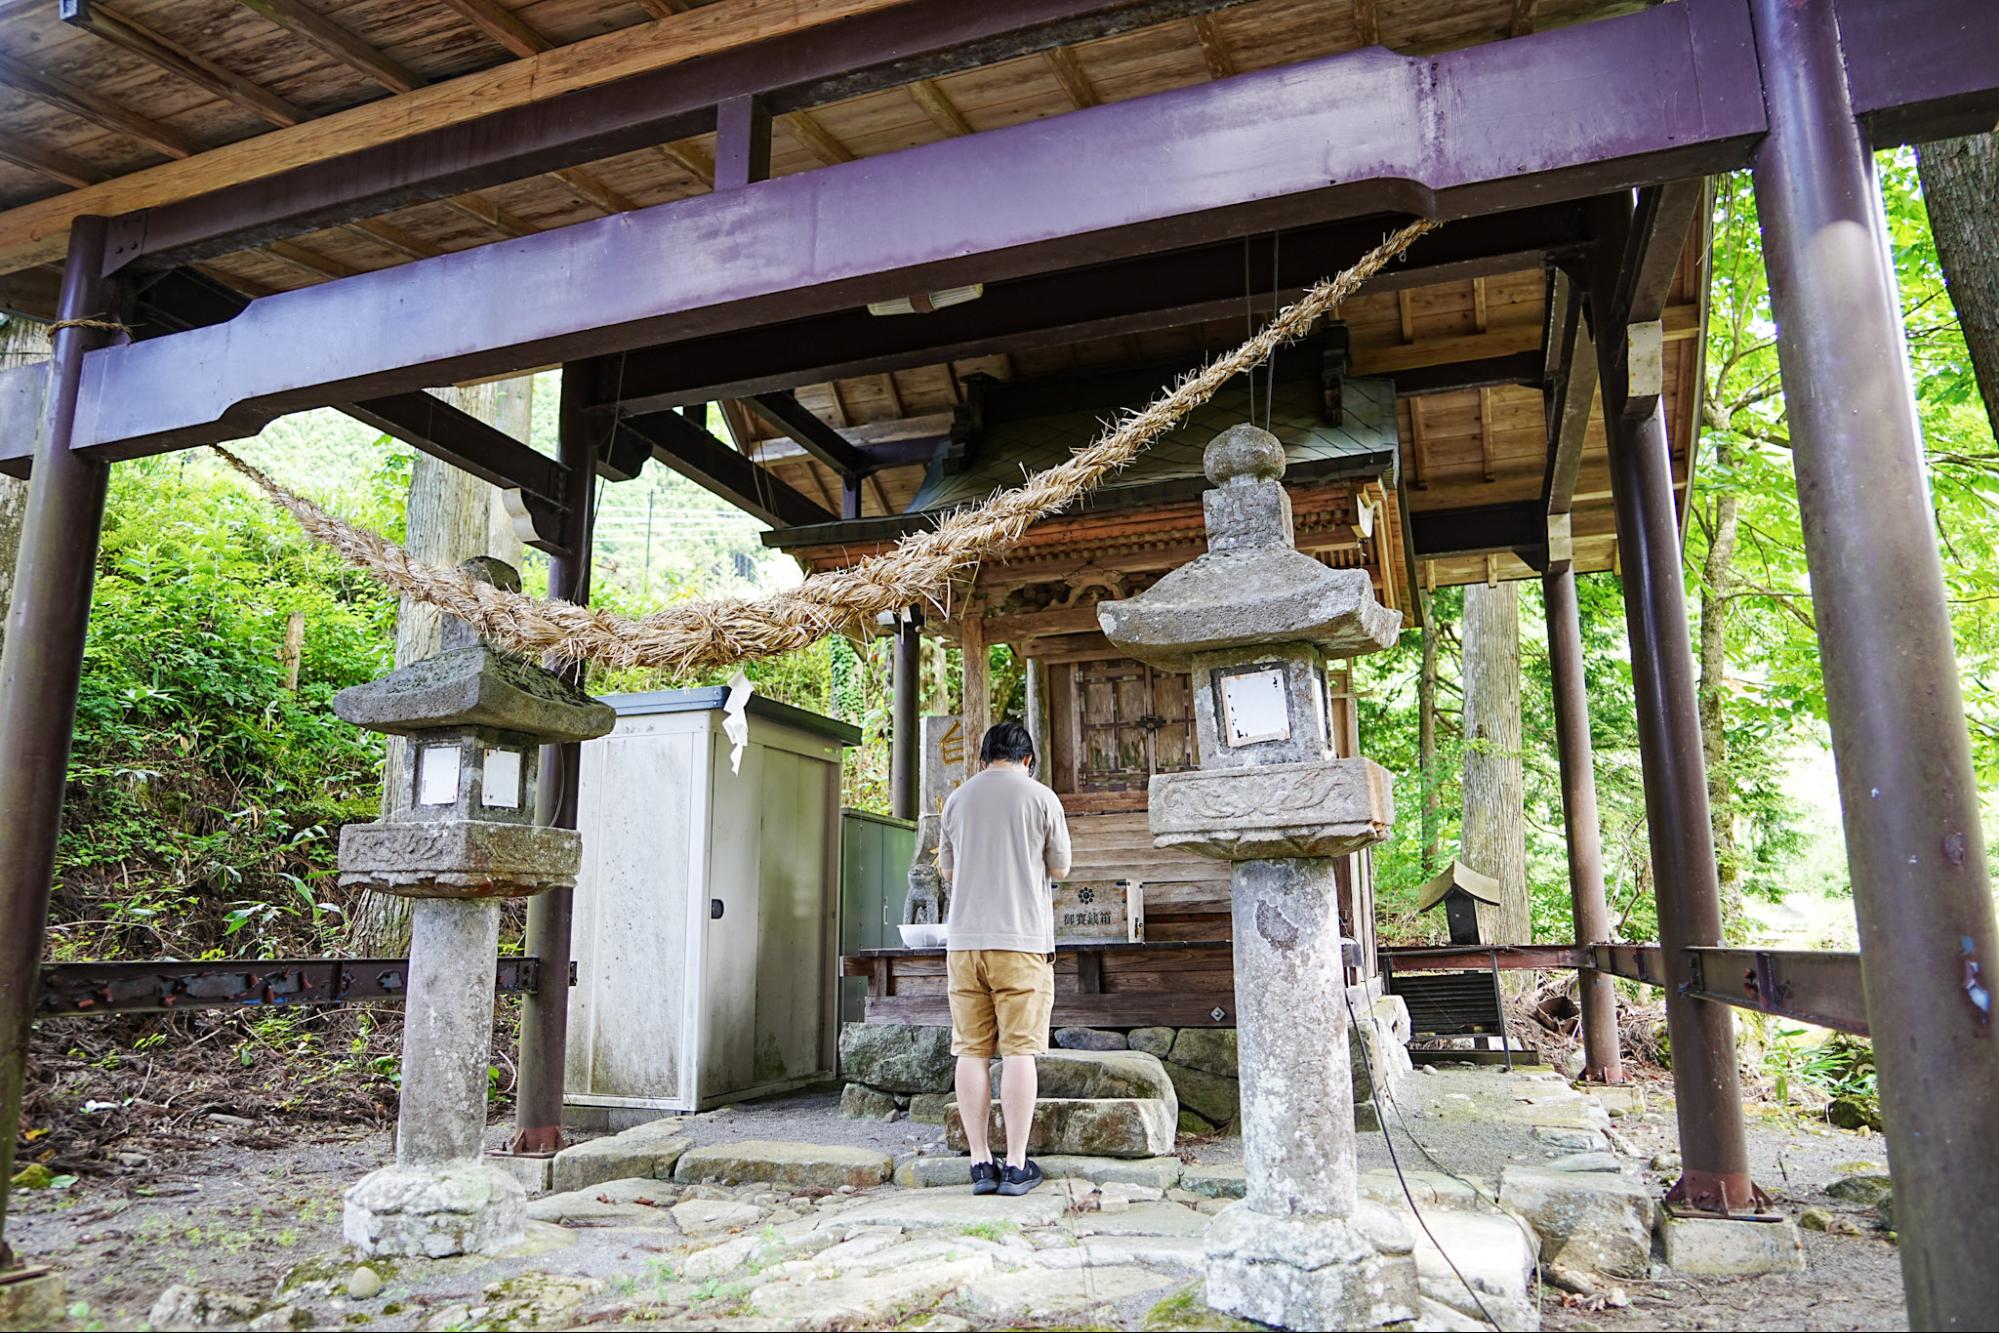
714, 909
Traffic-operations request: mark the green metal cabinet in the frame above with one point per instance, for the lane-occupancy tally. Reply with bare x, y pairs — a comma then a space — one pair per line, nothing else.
875, 852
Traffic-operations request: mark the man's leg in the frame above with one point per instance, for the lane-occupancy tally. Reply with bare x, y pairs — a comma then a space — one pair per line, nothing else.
975, 1099
1020, 1081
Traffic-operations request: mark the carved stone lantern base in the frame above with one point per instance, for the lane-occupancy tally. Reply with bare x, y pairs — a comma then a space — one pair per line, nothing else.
1325, 807
434, 1210
1312, 1271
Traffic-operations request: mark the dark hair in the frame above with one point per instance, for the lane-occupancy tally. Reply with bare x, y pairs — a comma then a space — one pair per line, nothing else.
1007, 741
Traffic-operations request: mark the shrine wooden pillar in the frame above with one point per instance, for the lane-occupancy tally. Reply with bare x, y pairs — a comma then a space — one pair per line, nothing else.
1909, 797
43, 665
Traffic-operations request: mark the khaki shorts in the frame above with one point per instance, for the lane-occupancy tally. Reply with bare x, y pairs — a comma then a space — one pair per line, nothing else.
1000, 1002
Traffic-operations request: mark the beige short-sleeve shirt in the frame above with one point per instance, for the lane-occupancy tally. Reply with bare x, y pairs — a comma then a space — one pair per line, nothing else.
1003, 835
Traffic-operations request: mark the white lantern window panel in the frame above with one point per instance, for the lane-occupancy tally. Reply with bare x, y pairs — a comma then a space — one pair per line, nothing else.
1254, 708
501, 789
437, 775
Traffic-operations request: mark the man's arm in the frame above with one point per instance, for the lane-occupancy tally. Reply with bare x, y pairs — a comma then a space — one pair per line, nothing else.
1055, 852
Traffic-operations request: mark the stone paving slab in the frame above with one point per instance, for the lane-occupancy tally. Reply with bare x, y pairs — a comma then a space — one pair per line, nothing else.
1220, 1181
607, 1203
640, 1151
917, 1209
1141, 1219
843, 1302
1006, 1299
1175, 1254
797, 1165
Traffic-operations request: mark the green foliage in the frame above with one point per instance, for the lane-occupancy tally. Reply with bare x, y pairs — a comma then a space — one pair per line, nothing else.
205, 797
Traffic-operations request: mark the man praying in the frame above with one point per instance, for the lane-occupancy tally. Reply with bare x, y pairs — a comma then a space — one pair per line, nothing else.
1004, 838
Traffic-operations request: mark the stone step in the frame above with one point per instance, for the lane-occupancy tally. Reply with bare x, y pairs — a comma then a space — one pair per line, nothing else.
1095, 1127
794, 1165
945, 1172
1096, 1075
650, 1149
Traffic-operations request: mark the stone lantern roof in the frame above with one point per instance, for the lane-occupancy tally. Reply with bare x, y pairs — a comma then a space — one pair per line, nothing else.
1252, 586
469, 684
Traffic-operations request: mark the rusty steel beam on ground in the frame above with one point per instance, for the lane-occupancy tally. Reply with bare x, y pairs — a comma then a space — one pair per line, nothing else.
1811, 985
1480, 958
91, 989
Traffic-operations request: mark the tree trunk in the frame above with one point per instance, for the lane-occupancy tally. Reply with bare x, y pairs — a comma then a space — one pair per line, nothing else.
1960, 181
22, 342
1717, 587
1426, 732
1495, 792
450, 519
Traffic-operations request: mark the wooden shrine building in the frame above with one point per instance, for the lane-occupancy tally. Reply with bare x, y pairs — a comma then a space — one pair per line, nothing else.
846, 261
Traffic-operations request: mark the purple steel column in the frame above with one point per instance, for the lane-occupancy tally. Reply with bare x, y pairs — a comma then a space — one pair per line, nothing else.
1907, 790
1714, 1158
545, 1011
39, 674
1601, 1061
904, 723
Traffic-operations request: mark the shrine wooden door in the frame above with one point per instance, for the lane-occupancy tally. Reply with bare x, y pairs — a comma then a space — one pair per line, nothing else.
1131, 722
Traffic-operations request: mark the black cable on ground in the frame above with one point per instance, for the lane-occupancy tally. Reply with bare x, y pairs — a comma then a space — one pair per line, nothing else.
1374, 1095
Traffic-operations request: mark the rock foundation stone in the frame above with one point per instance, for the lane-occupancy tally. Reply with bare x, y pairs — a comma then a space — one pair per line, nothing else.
1732, 1247
434, 1210
1309, 1271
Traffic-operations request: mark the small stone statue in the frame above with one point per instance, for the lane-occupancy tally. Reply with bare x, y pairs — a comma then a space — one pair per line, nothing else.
928, 902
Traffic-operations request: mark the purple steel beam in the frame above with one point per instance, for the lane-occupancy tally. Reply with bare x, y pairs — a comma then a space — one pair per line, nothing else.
1920, 69
1908, 792
1714, 1156
922, 39
40, 668
714, 466
1137, 295
545, 1012
1666, 91
1583, 837
809, 433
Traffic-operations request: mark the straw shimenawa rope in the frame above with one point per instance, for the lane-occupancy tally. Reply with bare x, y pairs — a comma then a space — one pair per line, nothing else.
692, 636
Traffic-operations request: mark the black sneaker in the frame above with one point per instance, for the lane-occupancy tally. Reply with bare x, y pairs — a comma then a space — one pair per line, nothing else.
1015, 1180
985, 1177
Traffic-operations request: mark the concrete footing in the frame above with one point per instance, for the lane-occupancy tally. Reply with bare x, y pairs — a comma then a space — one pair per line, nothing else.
1732, 1246
436, 1210
1305, 1271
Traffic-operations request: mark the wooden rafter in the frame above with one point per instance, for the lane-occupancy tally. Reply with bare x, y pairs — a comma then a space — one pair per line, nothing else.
1214, 48
158, 49
939, 107
299, 19
397, 239
502, 25
805, 127
56, 166
102, 111
1366, 23
1068, 71
660, 9
1478, 304
691, 158
310, 261
484, 211
588, 186
1418, 470
1485, 433
1521, 21
1405, 315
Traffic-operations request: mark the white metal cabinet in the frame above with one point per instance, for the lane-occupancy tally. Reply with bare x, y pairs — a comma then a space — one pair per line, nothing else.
706, 905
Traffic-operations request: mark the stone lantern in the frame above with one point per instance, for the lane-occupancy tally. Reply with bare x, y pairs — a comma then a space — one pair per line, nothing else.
461, 838
1255, 621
